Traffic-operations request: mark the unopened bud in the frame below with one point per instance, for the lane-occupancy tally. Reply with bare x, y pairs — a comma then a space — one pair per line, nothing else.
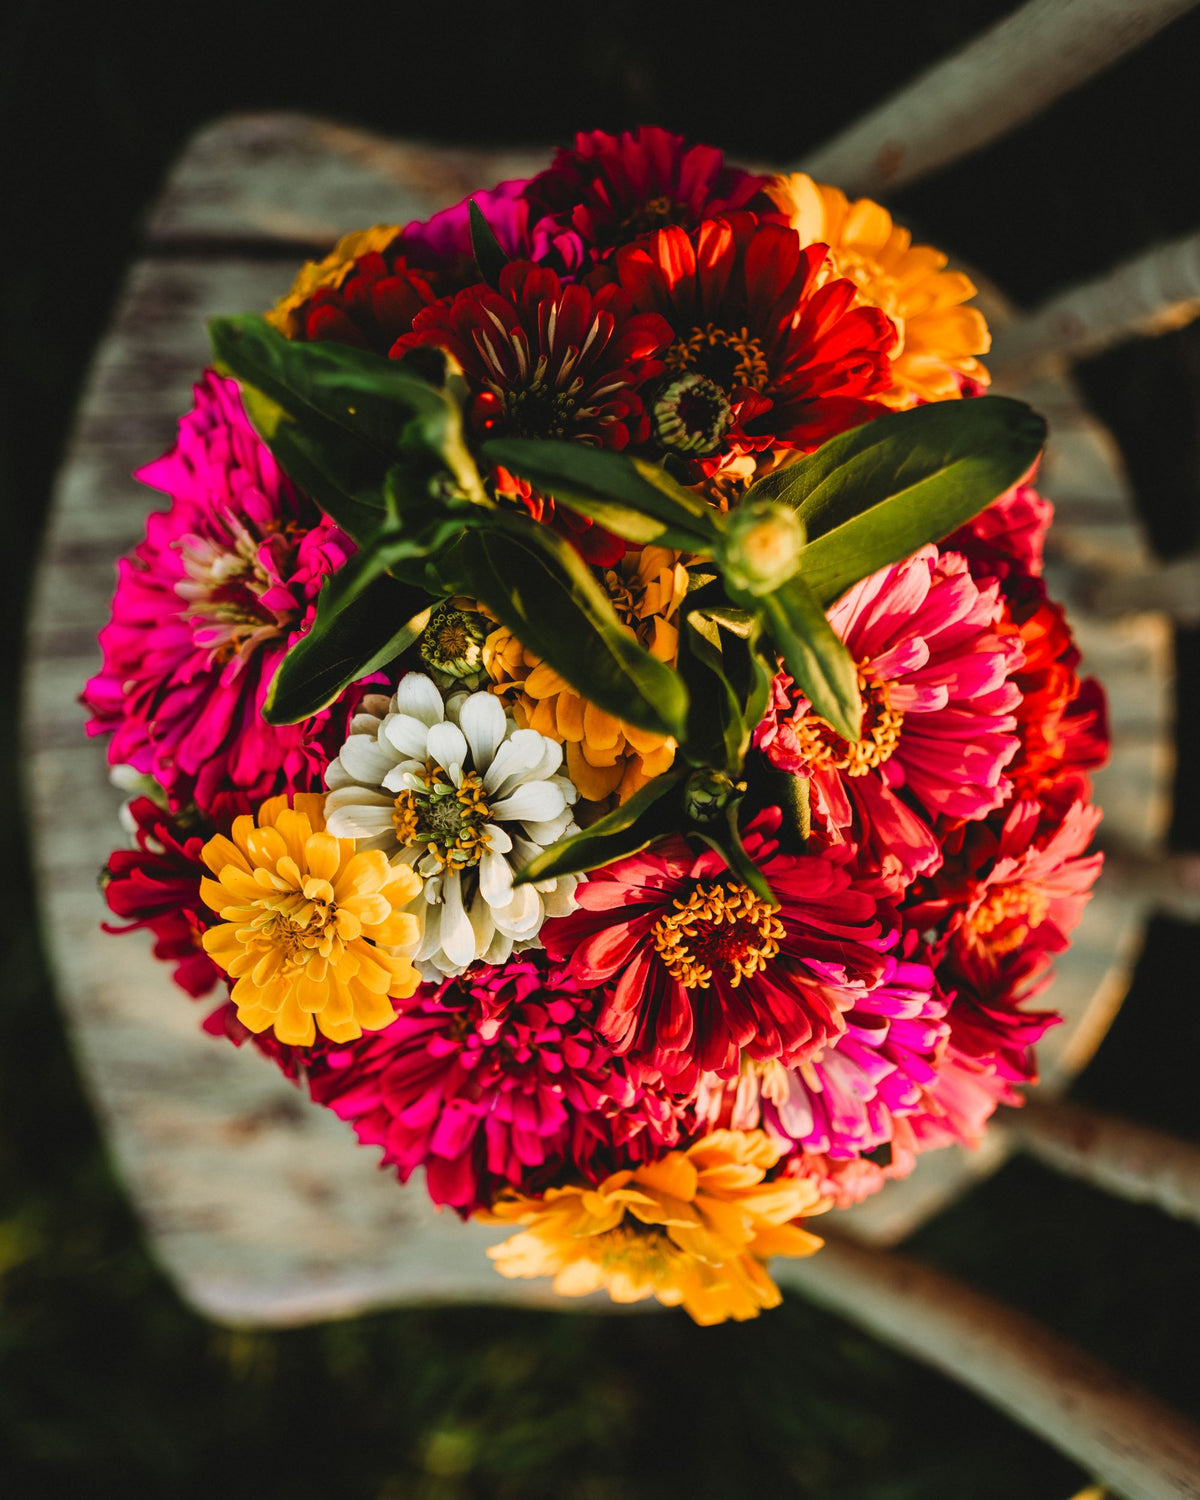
708, 793
452, 646
691, 415
763, 545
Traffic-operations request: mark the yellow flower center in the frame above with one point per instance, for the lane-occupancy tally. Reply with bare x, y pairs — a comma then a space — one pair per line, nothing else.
449, 821
731, 357
1006, 914
722, 926
303, 925
823, 748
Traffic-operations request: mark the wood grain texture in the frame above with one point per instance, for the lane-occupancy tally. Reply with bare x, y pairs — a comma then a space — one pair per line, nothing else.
260, 1207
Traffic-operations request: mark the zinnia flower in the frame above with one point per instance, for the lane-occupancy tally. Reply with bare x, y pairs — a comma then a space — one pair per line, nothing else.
939, 337
692, 1230
938, 712
845, 1100
307, 925
695, 967
156, 886
442, 245
605, 756
205, 610
499, 1079
364, 293
457, 793
797, 360
614, 188
549, 359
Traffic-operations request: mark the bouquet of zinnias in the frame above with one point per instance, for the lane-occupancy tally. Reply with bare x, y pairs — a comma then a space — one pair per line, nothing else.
593, 710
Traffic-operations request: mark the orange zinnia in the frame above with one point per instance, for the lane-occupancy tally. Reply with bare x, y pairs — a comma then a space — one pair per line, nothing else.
940, 338
306, 924
692, 1230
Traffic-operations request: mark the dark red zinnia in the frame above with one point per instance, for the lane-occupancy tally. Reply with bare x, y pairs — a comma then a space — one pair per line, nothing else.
549, 359
613, 188
373, 303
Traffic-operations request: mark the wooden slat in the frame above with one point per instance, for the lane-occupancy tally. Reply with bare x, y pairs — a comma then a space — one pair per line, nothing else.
995, 83
1127, 1160
1107, 1425
1152, 293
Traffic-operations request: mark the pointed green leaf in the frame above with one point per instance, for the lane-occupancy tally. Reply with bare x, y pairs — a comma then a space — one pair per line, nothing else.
939, 464
653, 810
818, 661
633, 499
490, 260
359, 627
539, 586
726, 839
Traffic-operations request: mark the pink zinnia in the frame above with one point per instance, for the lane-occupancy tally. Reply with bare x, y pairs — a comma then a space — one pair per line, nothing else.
499, 1079
205, 610
1007, 537
845, 1101
938, 713
613, 188
694, 967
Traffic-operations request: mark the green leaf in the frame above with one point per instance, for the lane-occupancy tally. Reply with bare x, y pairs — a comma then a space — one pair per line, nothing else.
386, 407
718, 732
539, 586
940, 464
485, 247
727, 841
818, 661
363, 620
653, 810
341, 475
633, 499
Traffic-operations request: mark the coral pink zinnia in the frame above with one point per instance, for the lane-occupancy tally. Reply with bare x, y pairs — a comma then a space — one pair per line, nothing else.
496, 1080
695, 967
938, 712
205, 610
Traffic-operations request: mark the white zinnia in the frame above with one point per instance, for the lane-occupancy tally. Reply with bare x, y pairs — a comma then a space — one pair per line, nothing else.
461, 795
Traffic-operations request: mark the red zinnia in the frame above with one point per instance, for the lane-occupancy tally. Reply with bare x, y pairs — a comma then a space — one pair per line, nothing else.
370, 307
796, 360
694, 967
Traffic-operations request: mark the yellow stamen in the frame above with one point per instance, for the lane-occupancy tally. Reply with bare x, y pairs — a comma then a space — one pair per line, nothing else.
722, 926
823, 748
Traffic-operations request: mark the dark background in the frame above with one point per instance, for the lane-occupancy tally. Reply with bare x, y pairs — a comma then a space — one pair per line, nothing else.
106, 1381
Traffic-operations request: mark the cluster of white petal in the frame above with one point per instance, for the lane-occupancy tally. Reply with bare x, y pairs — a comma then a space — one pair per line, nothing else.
416, 746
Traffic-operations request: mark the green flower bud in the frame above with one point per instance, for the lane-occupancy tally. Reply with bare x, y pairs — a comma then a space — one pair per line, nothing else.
691, 415
451, 645
708, 793
762, 547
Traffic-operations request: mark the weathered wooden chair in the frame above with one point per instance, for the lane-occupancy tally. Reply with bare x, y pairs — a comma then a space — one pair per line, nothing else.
262, 1209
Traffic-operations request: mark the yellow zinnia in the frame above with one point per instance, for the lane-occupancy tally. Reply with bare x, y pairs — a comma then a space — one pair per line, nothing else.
604, 754
939, 338
693, 1230
305, 925
331, 272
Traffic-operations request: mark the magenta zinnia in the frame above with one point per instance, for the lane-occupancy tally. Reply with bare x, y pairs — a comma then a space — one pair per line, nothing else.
498, 1079
206, 609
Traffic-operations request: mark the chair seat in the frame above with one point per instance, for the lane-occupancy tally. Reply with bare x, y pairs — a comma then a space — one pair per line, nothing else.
261, 1207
